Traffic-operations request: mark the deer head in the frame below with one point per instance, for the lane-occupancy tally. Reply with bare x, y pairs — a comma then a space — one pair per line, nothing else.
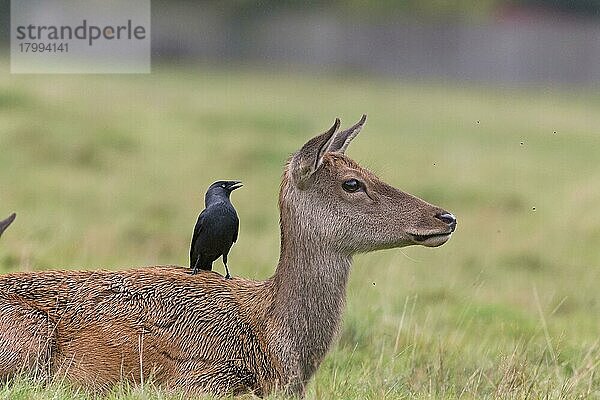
346, 207
5, 223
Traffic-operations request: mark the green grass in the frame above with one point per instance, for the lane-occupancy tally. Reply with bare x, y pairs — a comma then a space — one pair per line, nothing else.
109, 171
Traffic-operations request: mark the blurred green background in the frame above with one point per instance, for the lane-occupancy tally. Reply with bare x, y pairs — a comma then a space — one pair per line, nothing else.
110, 172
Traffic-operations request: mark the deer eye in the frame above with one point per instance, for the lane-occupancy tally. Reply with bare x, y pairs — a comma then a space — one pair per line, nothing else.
351, 185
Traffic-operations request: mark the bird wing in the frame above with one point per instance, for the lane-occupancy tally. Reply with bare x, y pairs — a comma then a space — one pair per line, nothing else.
235, 233
197, 230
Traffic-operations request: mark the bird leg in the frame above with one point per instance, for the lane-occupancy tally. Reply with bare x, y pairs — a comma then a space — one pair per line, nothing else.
195, 266
226, 269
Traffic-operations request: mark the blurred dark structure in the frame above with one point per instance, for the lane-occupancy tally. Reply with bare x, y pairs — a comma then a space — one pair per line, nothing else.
512, 42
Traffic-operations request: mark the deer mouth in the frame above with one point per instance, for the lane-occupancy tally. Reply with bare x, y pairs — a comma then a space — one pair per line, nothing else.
431, 240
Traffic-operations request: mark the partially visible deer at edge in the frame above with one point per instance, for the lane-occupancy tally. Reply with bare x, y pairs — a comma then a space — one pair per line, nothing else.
203, 333
6, 222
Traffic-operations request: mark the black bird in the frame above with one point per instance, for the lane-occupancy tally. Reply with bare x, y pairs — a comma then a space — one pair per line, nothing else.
5, 223
216, 229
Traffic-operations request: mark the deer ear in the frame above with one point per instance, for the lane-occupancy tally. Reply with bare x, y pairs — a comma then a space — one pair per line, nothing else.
310, 156
342, 139
5, 223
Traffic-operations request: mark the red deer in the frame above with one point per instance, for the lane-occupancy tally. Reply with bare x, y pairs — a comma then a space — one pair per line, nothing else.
206, 334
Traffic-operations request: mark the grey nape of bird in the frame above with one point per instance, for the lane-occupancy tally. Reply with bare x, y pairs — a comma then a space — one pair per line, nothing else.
5, 223
216, 229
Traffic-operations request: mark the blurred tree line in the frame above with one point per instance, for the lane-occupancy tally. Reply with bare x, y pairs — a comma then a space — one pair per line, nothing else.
246, 9
585, 7
424, 8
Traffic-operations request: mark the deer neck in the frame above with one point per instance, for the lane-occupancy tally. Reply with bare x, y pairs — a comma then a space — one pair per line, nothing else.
309, 290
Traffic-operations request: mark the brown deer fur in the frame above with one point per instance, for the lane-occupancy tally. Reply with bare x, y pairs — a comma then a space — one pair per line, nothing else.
203, 333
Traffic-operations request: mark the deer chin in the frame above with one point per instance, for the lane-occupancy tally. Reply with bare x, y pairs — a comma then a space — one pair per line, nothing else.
431, 240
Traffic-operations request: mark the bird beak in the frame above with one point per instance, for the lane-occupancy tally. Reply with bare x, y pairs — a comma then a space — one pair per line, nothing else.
235, 185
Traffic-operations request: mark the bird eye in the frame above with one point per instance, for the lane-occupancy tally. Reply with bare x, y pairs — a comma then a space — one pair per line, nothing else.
223, 185
351, 185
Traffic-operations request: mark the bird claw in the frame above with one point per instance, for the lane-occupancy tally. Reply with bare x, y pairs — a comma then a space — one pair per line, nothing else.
227, 276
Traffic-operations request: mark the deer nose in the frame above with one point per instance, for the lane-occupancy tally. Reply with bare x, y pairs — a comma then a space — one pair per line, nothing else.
448, 219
